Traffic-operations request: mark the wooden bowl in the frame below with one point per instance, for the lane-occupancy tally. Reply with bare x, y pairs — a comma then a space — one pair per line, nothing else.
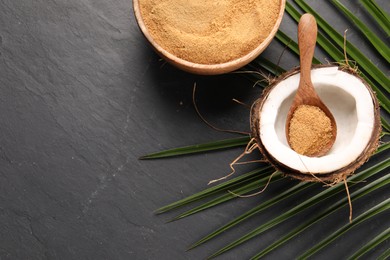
207, 69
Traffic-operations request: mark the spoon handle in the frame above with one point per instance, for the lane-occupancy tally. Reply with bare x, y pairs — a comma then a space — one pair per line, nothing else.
307, 35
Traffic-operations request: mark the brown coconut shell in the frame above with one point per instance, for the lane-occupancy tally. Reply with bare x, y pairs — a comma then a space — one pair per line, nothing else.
331, 177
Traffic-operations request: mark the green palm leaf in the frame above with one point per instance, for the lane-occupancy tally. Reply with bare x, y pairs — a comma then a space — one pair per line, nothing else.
381, 207
379, 45
292, 45
227, 185
254, 185
385, 255
385, 180
198, 148
383, 147
288, 193
385, 124
325, 44
268, 66
380, 16
372, 244
329, 192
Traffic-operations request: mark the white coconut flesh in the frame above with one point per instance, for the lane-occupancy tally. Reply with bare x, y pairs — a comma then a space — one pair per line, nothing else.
351, 105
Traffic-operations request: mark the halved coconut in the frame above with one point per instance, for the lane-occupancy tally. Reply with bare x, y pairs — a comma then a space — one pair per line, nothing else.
354, 106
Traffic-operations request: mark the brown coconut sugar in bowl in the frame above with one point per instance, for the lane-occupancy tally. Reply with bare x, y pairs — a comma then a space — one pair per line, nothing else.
209, 31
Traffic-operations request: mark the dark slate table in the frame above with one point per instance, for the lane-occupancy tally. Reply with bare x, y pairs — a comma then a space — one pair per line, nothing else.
82, 96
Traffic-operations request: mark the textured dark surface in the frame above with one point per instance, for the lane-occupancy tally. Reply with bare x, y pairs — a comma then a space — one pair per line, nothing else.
82, 96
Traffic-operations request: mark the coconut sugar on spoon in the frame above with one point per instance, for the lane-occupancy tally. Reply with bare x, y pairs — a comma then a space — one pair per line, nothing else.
310, 126
310, 130
209, 32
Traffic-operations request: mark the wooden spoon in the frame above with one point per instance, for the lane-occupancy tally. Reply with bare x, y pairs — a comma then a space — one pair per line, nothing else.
306, 94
